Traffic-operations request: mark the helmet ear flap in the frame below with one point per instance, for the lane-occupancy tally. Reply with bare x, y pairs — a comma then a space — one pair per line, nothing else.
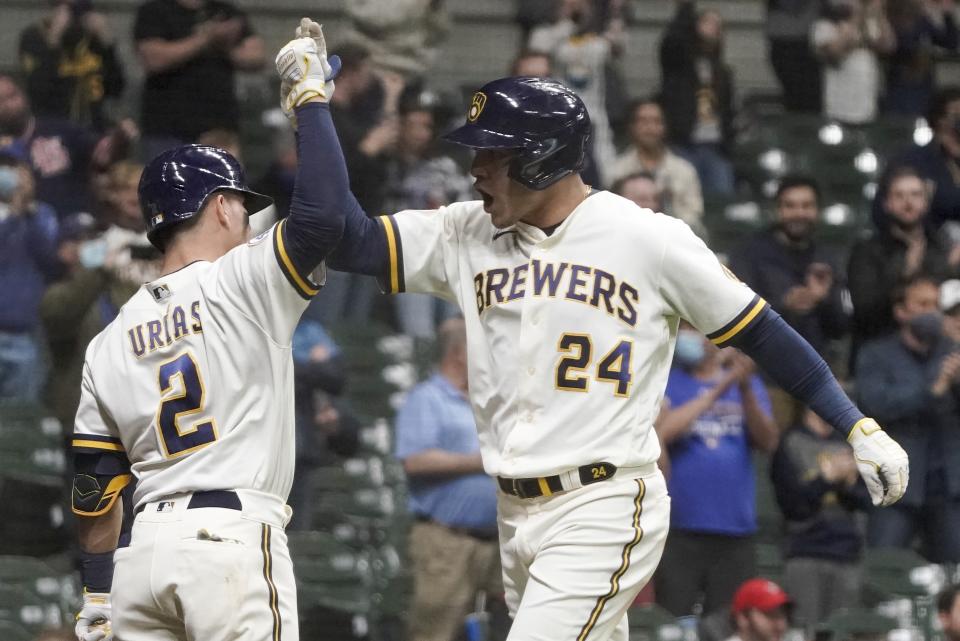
533, 167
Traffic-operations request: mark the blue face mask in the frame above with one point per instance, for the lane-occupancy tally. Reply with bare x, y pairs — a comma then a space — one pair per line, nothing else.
689, 350
93, 253
9, 181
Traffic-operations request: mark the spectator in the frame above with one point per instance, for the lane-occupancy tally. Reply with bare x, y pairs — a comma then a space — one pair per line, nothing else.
325, 430
403, 36
920, 27
363, 109
277, 180
420, 178
908, 381
582, 42
948, 612
103, 270
760, 611
794, 63
70, 64
532, 63
715, 411
901, 247
849, 38
190, 50
676, 178
697, 92
453, 544
785, 266
950, 306
28, 262
820, 494
936, 161
642, 188
226, 139
61, 154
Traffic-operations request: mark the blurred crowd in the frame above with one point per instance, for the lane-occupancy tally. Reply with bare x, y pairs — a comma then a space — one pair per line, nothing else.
883, 306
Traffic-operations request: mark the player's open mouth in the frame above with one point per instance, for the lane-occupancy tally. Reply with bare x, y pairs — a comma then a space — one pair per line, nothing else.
487, 198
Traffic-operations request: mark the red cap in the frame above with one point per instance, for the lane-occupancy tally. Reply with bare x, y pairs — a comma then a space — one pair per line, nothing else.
759, 594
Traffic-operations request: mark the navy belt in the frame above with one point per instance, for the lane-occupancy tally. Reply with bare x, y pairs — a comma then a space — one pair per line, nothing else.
531, 488
226, 499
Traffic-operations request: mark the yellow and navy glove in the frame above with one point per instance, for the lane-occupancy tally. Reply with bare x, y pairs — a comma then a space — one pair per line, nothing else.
93, 620
883, 464
305, 72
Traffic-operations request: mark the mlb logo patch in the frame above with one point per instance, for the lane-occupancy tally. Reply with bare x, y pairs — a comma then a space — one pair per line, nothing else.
156, 220
165, 506
160, 292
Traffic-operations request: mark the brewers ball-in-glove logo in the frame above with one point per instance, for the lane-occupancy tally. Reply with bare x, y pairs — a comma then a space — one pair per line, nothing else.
476, 106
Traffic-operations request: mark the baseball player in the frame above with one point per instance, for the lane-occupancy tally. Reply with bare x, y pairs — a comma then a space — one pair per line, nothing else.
571, 299
190, 390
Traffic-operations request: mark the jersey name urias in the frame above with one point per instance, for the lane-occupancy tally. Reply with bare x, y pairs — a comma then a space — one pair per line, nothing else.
570, 335
193, 380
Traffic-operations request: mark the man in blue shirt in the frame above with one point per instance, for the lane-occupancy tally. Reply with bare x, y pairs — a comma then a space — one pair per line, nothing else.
453, 543
715, 410
28, 262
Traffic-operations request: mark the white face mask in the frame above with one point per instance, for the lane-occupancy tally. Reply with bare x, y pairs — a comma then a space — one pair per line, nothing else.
9, 182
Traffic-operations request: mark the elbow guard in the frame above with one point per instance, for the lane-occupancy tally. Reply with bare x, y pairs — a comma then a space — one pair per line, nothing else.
98, 480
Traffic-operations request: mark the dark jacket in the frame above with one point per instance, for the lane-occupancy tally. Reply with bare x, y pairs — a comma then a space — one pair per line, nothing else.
875, 270
820, 516
893, 385
681, 88
771, 268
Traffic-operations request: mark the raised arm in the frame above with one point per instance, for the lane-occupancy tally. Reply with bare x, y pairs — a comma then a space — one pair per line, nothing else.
363, 245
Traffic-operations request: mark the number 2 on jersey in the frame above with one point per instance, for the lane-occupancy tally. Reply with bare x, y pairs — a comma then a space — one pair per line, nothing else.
614, 367
186, 399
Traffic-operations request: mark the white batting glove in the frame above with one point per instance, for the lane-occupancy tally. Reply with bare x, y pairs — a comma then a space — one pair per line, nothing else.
331, 64
883, 464
93, 620
305, 72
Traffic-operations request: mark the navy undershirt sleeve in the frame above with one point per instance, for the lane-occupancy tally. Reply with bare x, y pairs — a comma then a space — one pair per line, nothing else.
315, 224
796, 367
323, 210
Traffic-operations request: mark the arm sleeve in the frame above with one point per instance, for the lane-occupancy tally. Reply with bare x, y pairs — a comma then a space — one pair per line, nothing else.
796, 367
696, 287
315, 224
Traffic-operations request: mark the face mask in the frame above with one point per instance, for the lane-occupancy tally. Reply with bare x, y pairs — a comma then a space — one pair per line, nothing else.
9, 181
93, 253
927, 327
689, 350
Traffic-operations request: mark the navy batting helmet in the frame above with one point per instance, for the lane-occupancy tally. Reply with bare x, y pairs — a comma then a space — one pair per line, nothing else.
544, 120
175, 185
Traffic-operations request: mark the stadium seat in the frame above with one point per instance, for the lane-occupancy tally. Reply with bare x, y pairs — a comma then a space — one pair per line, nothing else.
857, 624
887, 574
650, 622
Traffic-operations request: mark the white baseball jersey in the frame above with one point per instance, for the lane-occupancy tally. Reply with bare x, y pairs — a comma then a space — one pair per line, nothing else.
570, 336
194, 378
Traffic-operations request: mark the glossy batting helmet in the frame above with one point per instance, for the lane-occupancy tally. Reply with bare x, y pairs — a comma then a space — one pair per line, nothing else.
542, 119
175, 185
